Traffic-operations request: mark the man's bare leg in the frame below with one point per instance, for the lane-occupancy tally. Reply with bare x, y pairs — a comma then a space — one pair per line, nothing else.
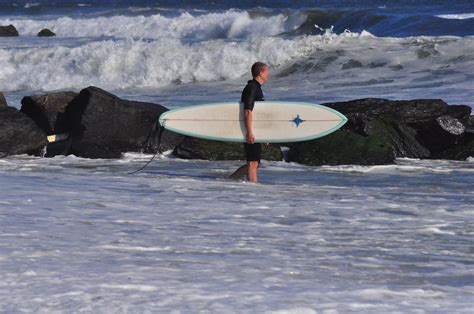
239, 173
252, 167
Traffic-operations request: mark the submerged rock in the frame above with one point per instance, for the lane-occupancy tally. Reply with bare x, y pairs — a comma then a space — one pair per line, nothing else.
8, 31
19, 134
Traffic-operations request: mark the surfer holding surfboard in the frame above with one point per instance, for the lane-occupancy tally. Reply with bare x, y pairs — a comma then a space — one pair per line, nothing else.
251, 93
271, 122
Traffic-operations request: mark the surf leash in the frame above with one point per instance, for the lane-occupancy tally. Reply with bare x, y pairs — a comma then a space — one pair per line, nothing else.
152, 131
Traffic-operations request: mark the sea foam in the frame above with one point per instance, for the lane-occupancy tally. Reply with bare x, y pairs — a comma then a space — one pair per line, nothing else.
228, 24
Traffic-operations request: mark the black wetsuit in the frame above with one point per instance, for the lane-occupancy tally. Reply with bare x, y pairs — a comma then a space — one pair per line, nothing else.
251, 93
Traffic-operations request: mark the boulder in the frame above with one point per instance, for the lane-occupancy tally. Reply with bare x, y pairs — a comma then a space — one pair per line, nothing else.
8, 31
46, 33
380, 130
195, 148
47, 110
457, 152
440, 134
405, 111
377, 141
470, 124
19, 134
3, 102
101, 125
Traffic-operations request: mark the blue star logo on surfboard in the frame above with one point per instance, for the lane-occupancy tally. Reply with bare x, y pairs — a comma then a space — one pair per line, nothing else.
297, 120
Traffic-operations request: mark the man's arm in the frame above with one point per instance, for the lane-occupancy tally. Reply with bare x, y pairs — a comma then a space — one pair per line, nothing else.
249, 126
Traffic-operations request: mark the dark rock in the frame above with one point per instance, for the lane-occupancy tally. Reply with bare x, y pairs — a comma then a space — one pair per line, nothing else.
58, 148
351, 64
47, 110
379, 141
380, 130
3, 102
470, 122
19, 134
8, 31
405, 111
103, 126
440, 134
169, 140
457, 152
397, 67
46, 33
194, 148
460, 112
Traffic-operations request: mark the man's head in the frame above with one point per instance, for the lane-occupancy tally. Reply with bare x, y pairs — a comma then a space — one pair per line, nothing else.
260, 72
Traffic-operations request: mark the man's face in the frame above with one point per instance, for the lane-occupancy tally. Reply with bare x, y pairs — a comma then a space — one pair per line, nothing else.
264, 74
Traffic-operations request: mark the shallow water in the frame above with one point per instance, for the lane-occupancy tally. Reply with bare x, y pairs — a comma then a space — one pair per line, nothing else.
81, 235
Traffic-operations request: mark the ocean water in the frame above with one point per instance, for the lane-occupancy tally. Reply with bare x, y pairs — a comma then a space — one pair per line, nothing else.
80, 235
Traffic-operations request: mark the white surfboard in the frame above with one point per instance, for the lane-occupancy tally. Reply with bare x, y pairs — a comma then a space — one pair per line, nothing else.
273, 121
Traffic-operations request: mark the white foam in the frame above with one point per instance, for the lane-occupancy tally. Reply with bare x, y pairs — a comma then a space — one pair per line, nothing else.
296, 310
143, 64
31, 5
290, 245
435, 231
385, 169
228, 24
457, 16
140, 64
141, 288
134, 248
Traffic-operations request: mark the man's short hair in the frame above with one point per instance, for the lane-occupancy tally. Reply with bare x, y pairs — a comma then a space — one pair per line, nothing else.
257, 68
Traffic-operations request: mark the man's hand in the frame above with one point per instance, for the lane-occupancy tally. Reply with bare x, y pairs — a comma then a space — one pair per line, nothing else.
250, 137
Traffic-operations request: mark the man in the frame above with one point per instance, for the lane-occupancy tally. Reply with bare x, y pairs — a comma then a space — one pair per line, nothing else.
251, 93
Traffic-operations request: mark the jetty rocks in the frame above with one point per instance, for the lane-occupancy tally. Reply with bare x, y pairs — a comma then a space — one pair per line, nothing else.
380, 130
8, 31
18, 133
97, 124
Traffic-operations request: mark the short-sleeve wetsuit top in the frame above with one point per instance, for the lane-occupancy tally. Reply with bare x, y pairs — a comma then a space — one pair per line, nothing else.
251, 93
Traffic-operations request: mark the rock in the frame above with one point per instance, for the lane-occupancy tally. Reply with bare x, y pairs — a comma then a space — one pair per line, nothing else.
406, 111
470, 122
351, 64
46, 33
440, 134
19, 134
194, 148
8, 31
47, 110
104, 126
457, 152
460, 112
3, 102
380, 130
380, 143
